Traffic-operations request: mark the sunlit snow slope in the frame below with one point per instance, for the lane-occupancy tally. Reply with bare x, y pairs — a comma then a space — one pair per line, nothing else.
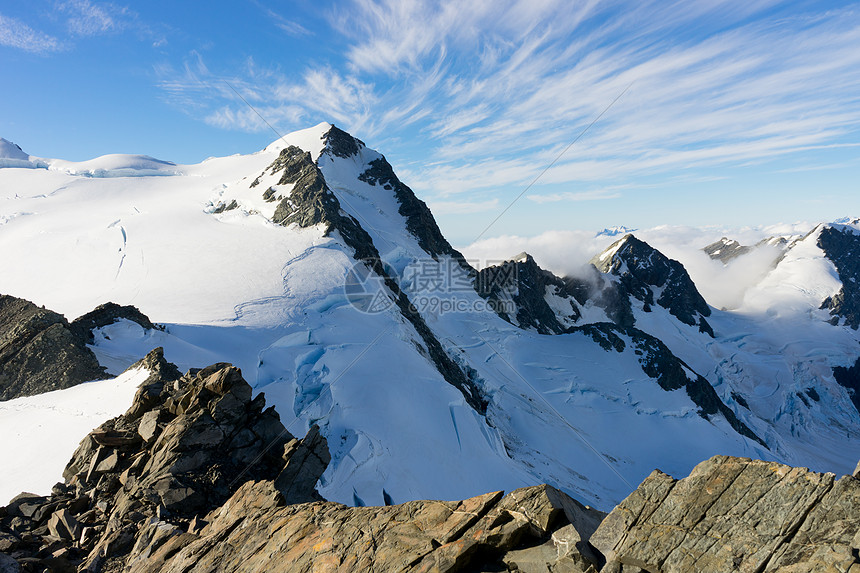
446, 402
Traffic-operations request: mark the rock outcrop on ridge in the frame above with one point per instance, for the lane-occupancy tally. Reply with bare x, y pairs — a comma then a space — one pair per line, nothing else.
651, 277
198, 476
628, 269
726, 250
735, 514
527, 286
183, 448
107, 314
40, 352
842, 247
730, 514
311, 202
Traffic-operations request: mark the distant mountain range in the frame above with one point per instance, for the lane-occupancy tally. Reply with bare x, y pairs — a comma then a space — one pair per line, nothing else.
614, 231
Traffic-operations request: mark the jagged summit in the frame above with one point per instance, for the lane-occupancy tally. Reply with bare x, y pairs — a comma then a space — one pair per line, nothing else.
725, 250
9, 150
341, 144
651, 277
544, 302
841, 245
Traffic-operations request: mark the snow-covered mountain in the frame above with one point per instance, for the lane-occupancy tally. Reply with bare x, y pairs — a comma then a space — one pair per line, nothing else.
615, 231
726, 250
319, 273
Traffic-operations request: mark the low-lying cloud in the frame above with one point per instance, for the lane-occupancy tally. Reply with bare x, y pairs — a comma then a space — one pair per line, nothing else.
723, 286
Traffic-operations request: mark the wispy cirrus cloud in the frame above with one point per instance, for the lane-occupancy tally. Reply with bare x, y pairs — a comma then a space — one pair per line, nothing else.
87, 18
79, 18
494, 91
291, 27
16, 34
596, 195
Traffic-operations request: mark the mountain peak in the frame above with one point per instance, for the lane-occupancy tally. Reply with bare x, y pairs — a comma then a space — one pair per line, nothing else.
9, 150
340, 143
523, 257
615, 231
725, 250
311, 140
653, 278
851, 224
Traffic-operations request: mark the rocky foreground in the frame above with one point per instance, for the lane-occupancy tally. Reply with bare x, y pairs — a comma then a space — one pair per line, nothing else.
199, 476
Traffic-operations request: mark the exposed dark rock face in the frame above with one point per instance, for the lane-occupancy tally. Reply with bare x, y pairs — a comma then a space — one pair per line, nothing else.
419, 219
632, 270
341, 144
311, 202
222, 207
107, 314
641, 269
735, 514
524, 283
726, 249
849, 378
184, 447
670, 372
842, 247
40, 352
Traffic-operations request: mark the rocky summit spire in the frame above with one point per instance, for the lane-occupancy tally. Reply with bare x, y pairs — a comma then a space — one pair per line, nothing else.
651, 277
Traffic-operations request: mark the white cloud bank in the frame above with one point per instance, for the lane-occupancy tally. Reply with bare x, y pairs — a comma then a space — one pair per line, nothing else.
566, 252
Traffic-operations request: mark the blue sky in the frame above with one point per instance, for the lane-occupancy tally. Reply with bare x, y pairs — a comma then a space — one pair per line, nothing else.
736, 112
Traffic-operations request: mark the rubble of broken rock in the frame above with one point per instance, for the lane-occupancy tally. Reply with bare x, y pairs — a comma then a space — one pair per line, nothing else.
186, 444
198, 475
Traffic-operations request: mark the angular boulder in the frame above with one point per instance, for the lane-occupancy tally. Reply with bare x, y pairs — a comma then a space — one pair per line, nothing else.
735, 514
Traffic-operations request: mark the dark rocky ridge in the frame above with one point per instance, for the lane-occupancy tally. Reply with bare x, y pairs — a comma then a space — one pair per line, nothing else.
849, 378
341, 144
526, 284
842, 248
40, 351
670, 372
107, 314
311, 202
726, 249
419, 220
640, 268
